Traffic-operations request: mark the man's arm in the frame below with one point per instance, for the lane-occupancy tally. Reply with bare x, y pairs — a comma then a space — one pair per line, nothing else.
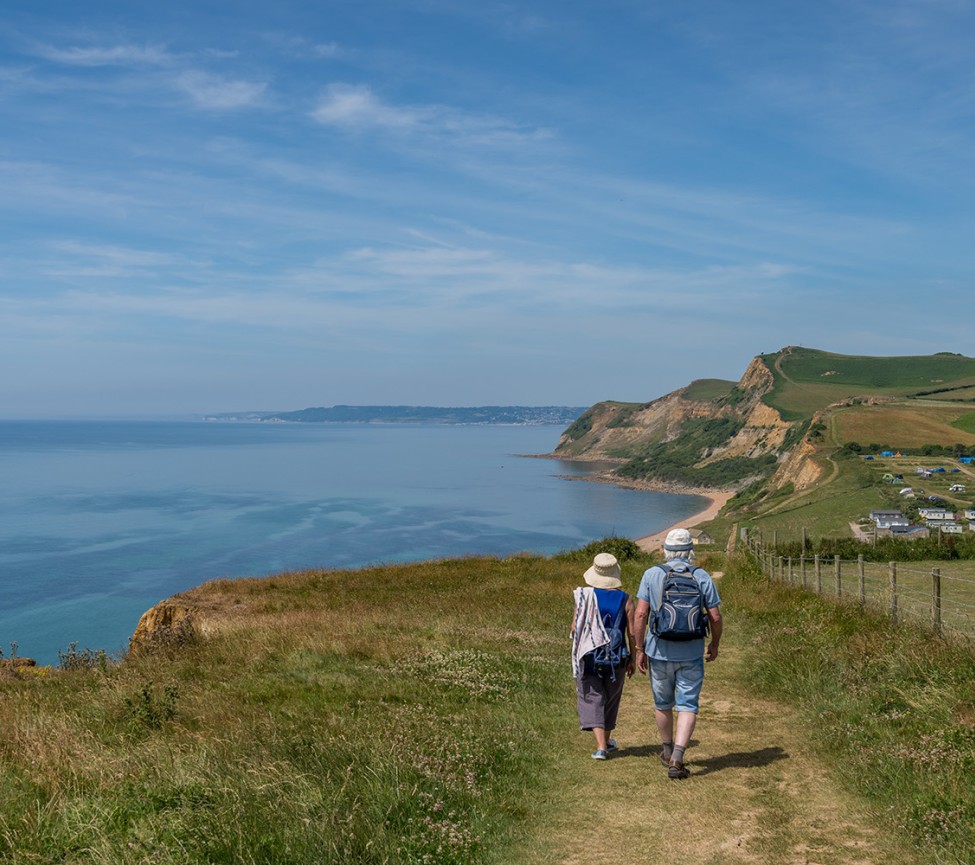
714, 614
640, 619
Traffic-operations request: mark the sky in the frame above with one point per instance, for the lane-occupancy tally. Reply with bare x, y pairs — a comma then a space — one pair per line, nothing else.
229, 206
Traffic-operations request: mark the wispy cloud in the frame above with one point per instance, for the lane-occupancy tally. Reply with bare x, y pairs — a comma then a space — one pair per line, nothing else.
213, 91
115, 55
328, 49
357, 107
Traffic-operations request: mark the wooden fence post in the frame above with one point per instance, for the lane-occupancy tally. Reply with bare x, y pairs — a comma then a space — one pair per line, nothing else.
790, 569
781, 569
818, 567
936, 599
803, 540
839, 580
802, 564
863, 583
893, 592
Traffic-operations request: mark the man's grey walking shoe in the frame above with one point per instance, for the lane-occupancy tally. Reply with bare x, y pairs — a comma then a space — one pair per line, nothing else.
678, 771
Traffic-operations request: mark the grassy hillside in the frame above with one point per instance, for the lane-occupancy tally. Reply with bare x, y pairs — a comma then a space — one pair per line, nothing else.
709, 389
807, 380
341, 717
424, 714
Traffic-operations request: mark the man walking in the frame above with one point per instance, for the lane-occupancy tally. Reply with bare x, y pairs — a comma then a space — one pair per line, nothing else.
674, 650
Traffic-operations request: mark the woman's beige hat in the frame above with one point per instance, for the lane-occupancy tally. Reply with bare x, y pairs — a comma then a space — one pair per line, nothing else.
604, 573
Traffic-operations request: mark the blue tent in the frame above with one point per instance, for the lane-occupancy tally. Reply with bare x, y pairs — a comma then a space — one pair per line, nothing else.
938, 469
868, 458
886, 453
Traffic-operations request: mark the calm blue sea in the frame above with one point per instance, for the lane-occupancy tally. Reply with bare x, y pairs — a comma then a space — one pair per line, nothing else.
101, 520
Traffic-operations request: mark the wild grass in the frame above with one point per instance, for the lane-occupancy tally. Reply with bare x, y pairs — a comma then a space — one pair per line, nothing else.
905, 425
895, 707
403, 714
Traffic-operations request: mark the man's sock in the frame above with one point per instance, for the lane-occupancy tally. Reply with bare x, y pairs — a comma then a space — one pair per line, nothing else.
668, 750
678, 754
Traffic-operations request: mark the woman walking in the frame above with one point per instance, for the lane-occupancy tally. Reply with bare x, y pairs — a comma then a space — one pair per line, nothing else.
603, 649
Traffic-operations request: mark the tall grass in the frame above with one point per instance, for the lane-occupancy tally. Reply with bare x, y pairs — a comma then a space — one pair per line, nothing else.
404, 714
893, 707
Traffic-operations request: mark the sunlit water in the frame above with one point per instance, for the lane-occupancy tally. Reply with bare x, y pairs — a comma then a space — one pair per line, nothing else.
101, 520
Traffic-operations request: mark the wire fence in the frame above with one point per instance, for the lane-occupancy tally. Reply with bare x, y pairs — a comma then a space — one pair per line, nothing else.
934, 597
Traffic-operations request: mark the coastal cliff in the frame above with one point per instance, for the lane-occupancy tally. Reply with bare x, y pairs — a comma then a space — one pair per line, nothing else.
786, 428
710, 434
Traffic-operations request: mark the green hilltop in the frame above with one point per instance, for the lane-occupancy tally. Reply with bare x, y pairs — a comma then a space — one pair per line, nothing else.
784, 436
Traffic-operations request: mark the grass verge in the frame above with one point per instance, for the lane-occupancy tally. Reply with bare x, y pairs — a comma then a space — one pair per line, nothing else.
895, 707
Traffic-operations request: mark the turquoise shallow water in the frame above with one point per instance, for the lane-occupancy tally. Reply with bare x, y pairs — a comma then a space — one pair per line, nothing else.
100, 520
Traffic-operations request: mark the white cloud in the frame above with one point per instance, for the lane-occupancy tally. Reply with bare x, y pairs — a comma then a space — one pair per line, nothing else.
116, 55
213, 91
356, 106
328, 49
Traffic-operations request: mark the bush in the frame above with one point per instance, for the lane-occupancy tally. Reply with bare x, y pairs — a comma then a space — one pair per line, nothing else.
623, 548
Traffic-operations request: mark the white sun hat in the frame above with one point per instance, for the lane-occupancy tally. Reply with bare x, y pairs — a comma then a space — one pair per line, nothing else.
604, 573
678, 540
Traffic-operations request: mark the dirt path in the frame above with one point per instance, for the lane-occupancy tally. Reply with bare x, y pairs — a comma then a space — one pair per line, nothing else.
757, 794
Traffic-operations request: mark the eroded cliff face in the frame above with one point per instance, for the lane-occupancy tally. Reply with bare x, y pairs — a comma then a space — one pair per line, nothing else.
617, 427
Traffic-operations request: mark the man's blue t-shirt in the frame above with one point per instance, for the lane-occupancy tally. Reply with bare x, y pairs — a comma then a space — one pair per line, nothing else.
651, 591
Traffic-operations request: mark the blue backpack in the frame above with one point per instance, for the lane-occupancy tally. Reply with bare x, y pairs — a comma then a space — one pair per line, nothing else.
612, 611
682, 614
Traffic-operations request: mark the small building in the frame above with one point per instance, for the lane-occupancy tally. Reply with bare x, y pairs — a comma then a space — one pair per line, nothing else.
911, 532
946, 527
886, 519
929, 514
699, 536
970, 513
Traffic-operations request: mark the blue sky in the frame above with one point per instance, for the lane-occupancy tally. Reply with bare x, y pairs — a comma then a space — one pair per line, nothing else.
224, 206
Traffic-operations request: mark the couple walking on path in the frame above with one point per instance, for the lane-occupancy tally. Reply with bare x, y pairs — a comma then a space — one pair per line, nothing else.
662, 634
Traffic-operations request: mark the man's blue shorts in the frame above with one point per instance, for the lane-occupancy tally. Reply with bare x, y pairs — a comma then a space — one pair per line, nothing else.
676, 684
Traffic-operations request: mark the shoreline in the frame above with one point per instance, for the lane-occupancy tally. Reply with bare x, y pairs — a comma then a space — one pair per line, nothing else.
649, 543
653, 542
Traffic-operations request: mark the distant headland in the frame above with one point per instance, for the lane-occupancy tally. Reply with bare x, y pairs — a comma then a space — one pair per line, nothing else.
413, 414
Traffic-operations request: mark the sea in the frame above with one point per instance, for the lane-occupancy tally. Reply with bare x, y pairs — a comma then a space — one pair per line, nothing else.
100, 520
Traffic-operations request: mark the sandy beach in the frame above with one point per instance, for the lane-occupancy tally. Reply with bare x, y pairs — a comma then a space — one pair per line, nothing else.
655, 541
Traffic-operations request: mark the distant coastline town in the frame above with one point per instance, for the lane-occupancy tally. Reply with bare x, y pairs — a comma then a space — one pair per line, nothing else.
512, 415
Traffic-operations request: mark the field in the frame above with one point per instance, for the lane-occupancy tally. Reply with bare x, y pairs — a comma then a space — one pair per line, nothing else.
806, 379
905, 425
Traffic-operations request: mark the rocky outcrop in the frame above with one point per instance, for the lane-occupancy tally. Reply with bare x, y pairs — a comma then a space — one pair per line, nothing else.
17, 668
170, 622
